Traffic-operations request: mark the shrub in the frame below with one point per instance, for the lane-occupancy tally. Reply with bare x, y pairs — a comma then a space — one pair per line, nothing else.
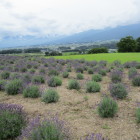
14, 76
46, 65
54, 81
73, 84
138, 115
1, 67
69, 69
5, 75
50, 96
51, 128
35, 66
26, 78
80, 76
102, 63
79, 69
32, 70
43, 71
23, 69
14, 87
92, 87
90, 71
127, 65
2, 85
102, 72
31, 91
53, 72
38, 79
117, 63
120, 68
12, 120
118, 91
136, 81
29, 66
65, 74
138, 66
107, 108
97, 77
132, 72
116, 76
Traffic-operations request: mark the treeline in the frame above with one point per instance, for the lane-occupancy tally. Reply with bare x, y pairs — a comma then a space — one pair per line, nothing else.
98, 50
13, 51
17, 51
53, 53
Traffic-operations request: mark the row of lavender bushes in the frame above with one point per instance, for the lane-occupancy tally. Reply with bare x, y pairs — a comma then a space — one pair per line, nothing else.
19, 73
14, 124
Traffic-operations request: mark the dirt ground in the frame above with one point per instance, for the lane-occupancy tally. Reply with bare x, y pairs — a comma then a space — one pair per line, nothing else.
82, 114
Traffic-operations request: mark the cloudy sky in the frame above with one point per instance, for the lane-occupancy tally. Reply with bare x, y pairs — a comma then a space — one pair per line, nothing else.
63, 17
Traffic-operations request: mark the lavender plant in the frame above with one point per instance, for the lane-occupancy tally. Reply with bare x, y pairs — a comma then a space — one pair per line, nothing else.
102, 72
32, 70
2, 85
79, 69
118, 91
92, 87
12, 121
97, 77
51, 128
117, 63
5, 75
38, 79
50, 96
53, 72
94, 136
90, 71
54, 81
65, 74
138, 114
136, 81
132, 72
80, 76
73, 84
31, 91
107, 108
116, 76
14, 87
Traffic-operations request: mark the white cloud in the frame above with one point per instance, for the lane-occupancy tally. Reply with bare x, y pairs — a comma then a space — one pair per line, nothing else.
42, 17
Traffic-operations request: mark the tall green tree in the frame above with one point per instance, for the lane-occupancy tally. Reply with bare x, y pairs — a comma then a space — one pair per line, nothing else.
138, 45
127, 44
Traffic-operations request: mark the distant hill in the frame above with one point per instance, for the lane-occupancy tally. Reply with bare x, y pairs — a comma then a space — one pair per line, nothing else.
82, 37
102, 35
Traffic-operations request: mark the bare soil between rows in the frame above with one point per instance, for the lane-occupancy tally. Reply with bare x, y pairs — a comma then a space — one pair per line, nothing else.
81, 114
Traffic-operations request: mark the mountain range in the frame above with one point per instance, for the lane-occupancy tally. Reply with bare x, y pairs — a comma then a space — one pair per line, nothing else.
82, 37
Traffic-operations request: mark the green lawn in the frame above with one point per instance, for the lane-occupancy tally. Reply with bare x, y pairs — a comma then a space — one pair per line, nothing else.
110, 57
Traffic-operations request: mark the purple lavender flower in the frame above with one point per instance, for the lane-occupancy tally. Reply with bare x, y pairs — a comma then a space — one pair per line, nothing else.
116, 76
51, 128
94, 136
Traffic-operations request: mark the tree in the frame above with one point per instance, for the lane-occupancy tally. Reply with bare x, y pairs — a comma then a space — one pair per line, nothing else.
127, 44
138, 45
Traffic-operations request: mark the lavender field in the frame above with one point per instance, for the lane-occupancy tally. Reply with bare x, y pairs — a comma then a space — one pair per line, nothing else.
55, 99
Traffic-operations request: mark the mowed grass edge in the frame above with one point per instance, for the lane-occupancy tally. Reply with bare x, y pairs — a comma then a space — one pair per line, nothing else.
110, 57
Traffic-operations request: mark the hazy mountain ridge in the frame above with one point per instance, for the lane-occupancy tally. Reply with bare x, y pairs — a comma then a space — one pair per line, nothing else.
102, 35
82, 37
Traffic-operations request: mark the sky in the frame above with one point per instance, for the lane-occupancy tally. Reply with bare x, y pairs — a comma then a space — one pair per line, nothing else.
64, 17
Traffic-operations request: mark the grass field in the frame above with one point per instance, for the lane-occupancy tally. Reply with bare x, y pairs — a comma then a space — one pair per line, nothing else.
110, 57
